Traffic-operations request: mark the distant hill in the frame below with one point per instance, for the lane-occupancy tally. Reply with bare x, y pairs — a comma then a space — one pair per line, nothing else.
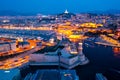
111, 11
14, 13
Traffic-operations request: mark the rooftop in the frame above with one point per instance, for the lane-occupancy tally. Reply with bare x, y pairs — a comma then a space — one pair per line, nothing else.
48, 49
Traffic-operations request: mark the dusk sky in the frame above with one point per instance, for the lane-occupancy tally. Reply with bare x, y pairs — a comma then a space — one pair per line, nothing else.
57, 6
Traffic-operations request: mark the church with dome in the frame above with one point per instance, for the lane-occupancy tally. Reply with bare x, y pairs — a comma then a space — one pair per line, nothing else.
66, 15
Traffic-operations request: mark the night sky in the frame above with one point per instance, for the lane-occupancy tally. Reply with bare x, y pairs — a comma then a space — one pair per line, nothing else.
58, 6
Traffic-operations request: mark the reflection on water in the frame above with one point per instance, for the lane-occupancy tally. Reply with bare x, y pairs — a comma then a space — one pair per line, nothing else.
116, 51
102, 60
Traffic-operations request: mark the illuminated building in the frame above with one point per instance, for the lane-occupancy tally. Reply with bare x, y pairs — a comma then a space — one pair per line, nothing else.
20, 39
110, 40
91, 25
66, 11
7, 45
6, 21
69, 58
32, 42
66, 29
76, 38
82, 57
66, 60
65, 16
51, 40
23, 45
73, 49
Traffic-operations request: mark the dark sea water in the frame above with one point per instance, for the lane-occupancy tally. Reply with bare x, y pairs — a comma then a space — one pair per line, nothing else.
102, 60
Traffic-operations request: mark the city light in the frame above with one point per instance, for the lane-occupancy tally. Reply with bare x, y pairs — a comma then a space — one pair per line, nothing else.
44, 40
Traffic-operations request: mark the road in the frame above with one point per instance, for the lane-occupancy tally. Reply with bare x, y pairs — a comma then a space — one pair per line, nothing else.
18, 60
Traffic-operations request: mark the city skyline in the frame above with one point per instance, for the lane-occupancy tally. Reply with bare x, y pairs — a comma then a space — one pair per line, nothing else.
58, 6
59, 40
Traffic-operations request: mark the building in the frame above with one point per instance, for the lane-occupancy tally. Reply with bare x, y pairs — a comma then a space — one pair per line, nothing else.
23, 44
49, 56
66, 15
7, 46
4, 47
